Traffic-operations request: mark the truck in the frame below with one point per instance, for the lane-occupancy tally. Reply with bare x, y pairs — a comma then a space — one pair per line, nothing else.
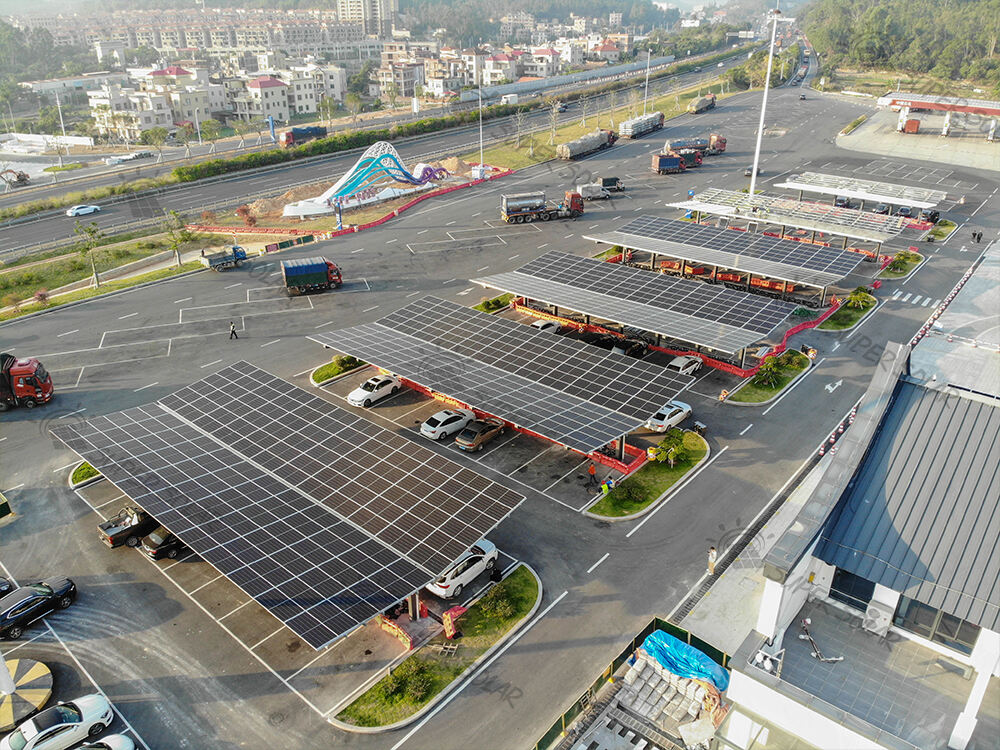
523, 208
230, 258
296, 136
304, 275
612, 184
593, 191
23, 382
667, 164
586, 144
701, 104
641, 125
127, 527
691, 157
714, 144
508, 99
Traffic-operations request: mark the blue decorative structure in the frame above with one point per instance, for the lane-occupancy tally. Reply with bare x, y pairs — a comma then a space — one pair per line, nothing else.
378, 166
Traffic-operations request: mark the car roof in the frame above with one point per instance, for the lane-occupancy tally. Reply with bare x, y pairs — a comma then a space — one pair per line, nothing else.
15, 597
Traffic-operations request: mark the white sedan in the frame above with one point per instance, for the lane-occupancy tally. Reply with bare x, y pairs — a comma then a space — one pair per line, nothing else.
686, 364
482, 556
82, 210
374, 389
546, 325
109, 742
669, 416
62, 726
446, 422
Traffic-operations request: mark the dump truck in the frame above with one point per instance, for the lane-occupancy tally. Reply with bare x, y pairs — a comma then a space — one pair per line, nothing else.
701, 104
613, 184
714, 144
640, 126
524, 208
23, 382
691, 157
587, 144
593, 191
295, 136
666, 164
230, 258
304, 275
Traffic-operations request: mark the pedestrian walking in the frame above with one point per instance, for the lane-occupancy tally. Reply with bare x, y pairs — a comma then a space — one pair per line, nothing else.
232, 331
979, 236
712, 557
592, 470
974, 237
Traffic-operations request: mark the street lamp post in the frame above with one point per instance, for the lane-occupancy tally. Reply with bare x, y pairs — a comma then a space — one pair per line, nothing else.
645, 95
775, 16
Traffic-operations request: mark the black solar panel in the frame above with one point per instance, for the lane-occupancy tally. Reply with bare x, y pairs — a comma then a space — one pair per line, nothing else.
563, 389
320, 516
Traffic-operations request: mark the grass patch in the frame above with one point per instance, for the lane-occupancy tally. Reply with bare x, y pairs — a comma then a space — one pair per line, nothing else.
942, 229
65, 167
109, 286
495, 304
649, 482
853, 125
415, 682
790, 364
847, 316
902, 263
610, 252
337, 366
878, 82
83, 472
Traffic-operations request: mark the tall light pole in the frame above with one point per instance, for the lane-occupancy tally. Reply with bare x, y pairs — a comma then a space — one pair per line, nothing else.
775, 16
481, 165
645, 95
62, 125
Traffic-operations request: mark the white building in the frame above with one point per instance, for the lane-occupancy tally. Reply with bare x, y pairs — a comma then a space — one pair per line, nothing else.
126, 112
376, 16
265, 97
69, 84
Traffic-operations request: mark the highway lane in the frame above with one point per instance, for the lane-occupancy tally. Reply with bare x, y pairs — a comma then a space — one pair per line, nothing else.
183, 658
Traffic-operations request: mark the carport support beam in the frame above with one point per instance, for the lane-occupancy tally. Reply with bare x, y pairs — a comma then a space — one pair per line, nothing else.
743, 358
620, 450
413, 607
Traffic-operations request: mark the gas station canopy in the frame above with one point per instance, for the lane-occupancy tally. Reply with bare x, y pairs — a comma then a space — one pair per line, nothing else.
865, 190
901, 99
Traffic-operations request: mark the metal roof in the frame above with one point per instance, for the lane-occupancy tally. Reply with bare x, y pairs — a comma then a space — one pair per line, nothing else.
759, 254
942, 103
808, 215
866, 190
921, 515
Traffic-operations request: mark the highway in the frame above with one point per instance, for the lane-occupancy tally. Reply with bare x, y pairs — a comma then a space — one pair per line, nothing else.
185, 676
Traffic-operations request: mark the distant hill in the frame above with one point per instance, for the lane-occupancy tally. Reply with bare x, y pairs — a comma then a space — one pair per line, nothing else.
952, 39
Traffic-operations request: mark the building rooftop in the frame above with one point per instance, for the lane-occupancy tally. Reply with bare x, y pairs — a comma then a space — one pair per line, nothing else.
172, 70
265, 82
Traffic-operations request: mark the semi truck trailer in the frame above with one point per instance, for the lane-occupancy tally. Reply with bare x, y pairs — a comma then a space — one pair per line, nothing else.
304, 275
524, 208
586, 144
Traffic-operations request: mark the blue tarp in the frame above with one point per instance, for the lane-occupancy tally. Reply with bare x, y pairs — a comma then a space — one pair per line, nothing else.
684, 660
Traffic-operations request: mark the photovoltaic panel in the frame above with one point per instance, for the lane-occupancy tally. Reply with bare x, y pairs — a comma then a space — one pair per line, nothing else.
561, 388
707, 315
867, 190
748, 252
320, 516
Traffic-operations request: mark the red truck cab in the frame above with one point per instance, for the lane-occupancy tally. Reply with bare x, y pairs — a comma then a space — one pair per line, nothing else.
23, 382
333, 273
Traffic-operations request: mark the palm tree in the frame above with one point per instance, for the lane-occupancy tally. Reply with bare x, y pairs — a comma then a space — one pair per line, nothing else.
859, 298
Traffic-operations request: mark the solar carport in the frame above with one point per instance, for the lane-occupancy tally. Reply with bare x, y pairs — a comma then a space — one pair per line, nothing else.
561, 389
863, 190
793, 263
703, 315
322, 517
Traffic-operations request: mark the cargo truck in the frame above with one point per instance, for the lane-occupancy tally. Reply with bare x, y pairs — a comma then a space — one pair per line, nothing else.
295, 136
587, 144
230, 258
508, 99
701, 104
640, 126
666, 164
613, 184
304, 275
714, 144
593, 191
524, 208
23, 382
691, 157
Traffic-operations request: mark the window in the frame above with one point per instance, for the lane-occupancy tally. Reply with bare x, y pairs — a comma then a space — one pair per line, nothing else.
852, 590
936, 625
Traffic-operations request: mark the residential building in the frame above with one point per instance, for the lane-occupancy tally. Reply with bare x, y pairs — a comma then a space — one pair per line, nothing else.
500, 68
571, 52
265, 96
582, 24
475, 61
543, 63
690, 23
615, 20
376, 16
329, 81
127, 112
85, 82
405, 77
517, 26
607, 51
110, 53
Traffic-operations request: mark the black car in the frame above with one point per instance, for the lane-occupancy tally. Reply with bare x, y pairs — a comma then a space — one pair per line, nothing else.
842, 202
930, 215
904, 211
5, 586
748, 172
161, 543
882, 208
24, 605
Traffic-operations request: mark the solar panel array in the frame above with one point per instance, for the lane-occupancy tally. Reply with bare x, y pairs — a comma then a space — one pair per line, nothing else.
820, 217
705, 315
566, 390
868, 190
322, 517
773, 257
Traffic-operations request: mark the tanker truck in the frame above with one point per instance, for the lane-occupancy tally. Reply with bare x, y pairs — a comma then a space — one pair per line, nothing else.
587, 144
521, 208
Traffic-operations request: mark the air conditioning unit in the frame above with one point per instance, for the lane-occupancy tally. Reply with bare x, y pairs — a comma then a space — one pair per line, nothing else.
878, 618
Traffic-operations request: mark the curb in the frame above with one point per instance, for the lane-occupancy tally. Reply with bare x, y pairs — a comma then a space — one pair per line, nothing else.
335, 378
460, 679
777, 395
656, 503
923, 259
85, 482
858, 322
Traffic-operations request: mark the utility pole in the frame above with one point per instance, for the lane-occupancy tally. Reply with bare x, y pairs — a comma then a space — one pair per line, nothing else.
63, 126
482, 167
645, 95
775, 15
197, 125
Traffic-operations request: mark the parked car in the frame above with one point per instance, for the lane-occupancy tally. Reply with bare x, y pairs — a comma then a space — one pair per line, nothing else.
931, 215
841, 202
445, 423
905, 211
24, 605
62, 726
5, 586
478, 433
748, 172
482, 556
882, 208
82, 210
127, 527
802, 97
160, 543
546, 325
374, 389
686, 364
671, 415
110, 742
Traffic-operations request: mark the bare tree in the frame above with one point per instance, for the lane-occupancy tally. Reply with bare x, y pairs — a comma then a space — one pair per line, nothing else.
633, 101
584, 110
553, 122
177, 233
211, 130
612, 103
353, 103
243, 128
519, 125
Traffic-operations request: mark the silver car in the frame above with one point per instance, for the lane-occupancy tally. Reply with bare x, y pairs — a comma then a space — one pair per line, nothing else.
671, 415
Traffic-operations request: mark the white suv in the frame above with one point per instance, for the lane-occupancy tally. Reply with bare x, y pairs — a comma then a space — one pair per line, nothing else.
482, 556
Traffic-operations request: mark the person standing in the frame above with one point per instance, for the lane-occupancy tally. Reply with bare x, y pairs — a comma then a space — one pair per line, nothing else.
712, 557
592, 470
232, 331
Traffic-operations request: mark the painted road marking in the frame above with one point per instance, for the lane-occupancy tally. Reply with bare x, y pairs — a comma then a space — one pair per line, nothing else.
238, 283
481, 269
568, 236
422, 231
592, 226
463, 293
450, 223
412, 294
514, 256
211, 363
746, 428
353, 252
389, 242
60, 335
146, 386
63, 468
546, 244
72, 413
186, 299
915, 299
594, 566
269, 343
909, 294
130, 315
369, 309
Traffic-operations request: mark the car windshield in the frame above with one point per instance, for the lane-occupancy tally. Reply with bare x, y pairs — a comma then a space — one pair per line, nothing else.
369, 385
69, 714
41, 588
158, 536
41, 373
469, 433
16, 741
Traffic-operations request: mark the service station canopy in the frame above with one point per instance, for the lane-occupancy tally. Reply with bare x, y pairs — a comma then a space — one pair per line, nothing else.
322, 517
562, 389
814, 217
940, 103
747, 252
701, 314
865, 190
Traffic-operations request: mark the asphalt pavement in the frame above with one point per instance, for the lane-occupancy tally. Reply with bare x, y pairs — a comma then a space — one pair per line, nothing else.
183, 680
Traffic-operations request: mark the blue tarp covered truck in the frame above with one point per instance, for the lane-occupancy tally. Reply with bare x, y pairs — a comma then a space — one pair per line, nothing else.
304, 275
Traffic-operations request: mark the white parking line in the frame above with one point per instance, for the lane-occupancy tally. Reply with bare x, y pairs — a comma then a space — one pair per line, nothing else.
544, 244
60, 335
178, 561
413, 294
369, 309
234, 611
276, 273
568, 236
9, 651
353, 252
215, 362
186, 299
231, 286
514, 256
594, 566
478, 270
422, 231
11, 489
328, 323
316, 658
130, 315
269, 343
394, 239
72, 413
63, 468
746, 429
575, 468
266, 638
195, 591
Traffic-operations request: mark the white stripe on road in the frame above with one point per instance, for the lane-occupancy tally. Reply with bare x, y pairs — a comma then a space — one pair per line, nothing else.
72, 413
795, 385
369, 309
67, 466
130, 315
146, 386
353, 252
186, 299
238, 283
592, 567
269, 343
546, 244
60, 335
394, 239
211, 363
744, 432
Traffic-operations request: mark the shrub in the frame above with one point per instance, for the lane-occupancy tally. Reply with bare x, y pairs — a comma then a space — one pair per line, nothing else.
208, 217
42, 297
419, 685
496, 604
788, 359
768, 373
12, 301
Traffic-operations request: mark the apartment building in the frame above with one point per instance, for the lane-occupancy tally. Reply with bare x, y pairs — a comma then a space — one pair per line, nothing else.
376, 16
265, 96
126, 112
543, 63
51, 87
517, 26
405, 77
